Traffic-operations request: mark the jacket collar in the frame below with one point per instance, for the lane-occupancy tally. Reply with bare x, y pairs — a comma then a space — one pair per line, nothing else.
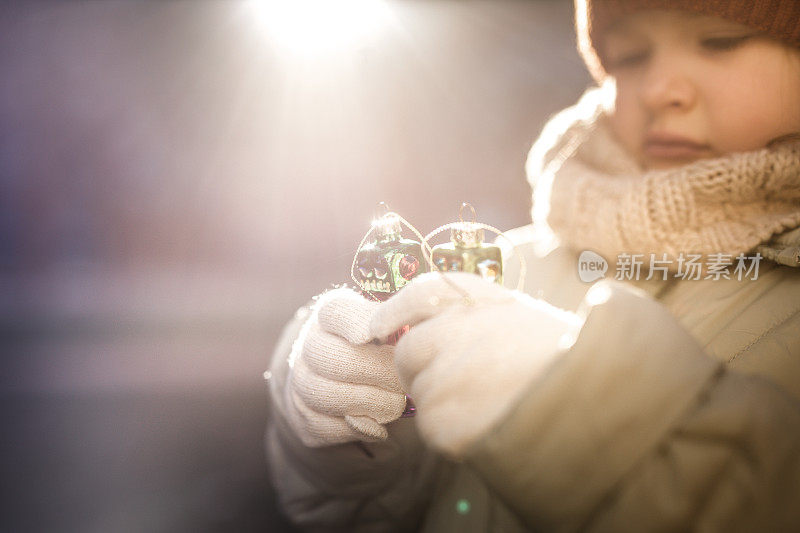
784, 249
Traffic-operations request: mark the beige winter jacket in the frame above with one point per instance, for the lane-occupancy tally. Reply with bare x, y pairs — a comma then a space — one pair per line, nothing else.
645, 424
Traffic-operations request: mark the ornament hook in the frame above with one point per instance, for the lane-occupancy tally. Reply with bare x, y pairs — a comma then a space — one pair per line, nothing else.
383, 208
472, 210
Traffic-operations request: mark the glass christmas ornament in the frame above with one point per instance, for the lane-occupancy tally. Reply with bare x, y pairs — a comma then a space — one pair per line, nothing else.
466, 251
384, 265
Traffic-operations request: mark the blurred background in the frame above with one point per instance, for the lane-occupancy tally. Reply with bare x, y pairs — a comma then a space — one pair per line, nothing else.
176, 178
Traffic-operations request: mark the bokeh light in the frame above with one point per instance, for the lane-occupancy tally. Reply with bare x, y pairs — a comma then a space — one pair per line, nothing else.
313, 28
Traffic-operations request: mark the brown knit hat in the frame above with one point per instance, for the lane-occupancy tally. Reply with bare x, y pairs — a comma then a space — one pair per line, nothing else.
778, 18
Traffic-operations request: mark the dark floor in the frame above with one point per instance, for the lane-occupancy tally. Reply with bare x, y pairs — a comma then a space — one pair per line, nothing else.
188, 461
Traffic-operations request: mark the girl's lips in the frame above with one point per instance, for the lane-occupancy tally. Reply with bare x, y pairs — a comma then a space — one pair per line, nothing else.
668, 146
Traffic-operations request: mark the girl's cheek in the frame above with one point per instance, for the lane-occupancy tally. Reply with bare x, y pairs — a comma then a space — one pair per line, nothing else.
623, 124
790, 95
750, 122
763, 104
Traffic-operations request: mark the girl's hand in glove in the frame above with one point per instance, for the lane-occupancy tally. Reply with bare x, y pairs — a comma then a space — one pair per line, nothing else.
341, 387
474, 347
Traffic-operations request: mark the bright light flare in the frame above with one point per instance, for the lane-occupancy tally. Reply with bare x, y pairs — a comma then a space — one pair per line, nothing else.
319, 27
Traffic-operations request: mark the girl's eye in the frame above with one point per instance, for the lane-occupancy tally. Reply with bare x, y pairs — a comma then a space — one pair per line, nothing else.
631, 59
723, 43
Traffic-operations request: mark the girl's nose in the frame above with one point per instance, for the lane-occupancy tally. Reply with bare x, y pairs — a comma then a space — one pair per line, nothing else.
667, 86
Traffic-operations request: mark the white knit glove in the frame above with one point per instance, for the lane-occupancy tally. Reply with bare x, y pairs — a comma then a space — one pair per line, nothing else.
340, 386
473, 349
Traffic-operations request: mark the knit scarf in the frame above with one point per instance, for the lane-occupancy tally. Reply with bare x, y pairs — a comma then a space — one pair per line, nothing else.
591, 195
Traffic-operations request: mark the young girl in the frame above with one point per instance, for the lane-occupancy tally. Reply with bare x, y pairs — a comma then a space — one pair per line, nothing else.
669, 400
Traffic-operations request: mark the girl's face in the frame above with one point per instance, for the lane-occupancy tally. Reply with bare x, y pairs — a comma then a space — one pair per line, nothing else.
691, 87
